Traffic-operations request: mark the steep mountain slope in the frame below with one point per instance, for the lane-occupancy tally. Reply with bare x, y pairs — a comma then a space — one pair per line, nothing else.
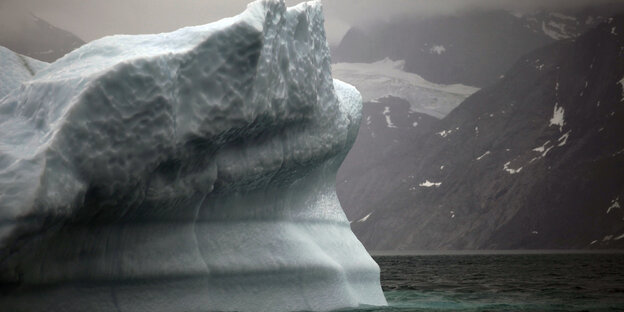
387, 134
566, 25
29, 35
473, 48
534, 161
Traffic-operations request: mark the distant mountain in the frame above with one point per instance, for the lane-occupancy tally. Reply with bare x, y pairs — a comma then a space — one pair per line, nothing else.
558, 26
474, 48
533, 161
29, 35
571, 23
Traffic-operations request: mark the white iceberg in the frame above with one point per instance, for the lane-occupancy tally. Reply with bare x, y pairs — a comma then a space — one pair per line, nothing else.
185, 171
15, 69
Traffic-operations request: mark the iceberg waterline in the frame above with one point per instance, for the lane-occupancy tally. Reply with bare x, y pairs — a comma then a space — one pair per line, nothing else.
185, 171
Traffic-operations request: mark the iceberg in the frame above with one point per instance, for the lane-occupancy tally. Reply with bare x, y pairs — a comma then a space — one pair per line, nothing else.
184, 171
15, 69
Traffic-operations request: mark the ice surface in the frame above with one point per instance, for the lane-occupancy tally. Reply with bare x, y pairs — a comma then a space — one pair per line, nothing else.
184, 171
445, 133
15, 69
387, 78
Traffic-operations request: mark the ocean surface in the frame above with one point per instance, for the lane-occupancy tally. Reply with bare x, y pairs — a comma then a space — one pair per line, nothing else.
503, 282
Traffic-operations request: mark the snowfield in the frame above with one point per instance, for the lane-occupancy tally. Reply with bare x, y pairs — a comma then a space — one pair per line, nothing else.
387, 78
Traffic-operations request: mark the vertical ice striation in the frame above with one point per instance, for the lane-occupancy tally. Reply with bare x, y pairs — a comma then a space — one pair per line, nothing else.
184, 171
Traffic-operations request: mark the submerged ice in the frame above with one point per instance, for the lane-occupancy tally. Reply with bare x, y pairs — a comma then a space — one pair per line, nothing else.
184, 171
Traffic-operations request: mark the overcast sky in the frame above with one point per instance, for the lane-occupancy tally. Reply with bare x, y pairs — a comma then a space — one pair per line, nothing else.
91, 19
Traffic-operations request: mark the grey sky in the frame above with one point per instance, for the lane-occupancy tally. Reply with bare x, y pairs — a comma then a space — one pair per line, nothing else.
91, 19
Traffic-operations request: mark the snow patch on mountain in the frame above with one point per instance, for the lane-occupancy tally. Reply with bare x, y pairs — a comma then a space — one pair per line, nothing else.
437, 49
555, 30
445, 133
428, 183
615, 204
558, 117
563, 16
511, 170
386, 113
484, 154
364, 218
563, 139
541, 149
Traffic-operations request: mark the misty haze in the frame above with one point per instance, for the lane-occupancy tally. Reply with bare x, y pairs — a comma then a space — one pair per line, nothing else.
311, 156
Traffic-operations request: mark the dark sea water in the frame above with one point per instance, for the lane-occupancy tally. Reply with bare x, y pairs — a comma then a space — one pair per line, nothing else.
507, 282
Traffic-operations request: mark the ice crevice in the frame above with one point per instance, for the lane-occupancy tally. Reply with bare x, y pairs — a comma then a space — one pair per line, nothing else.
184, 171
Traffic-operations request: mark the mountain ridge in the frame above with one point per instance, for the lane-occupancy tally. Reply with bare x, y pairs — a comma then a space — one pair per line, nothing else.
519, 164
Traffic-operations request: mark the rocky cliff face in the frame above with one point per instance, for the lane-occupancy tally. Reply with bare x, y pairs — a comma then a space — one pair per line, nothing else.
533, 161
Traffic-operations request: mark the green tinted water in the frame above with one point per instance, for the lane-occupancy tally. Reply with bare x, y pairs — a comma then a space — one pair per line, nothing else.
518, 282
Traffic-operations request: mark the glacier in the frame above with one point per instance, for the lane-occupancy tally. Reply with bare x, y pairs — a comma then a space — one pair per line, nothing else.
388, 78
184, 171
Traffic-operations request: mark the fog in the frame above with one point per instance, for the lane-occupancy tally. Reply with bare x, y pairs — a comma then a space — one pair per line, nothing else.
90, 19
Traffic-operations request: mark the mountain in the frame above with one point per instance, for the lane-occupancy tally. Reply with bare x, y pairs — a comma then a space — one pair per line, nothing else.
532, 161
26, 34
473, 48
568, 23
387, 134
